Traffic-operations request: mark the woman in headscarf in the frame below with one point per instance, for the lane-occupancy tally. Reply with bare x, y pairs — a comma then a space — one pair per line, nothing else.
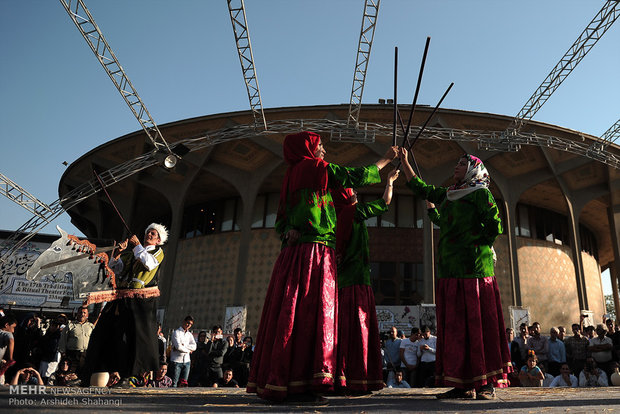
472, 352
360, 369
295, 354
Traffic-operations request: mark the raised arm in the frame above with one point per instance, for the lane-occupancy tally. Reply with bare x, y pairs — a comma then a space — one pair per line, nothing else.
387, 194
390, 154
404, 163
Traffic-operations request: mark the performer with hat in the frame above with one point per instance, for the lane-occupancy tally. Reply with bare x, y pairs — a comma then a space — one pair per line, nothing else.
124, 340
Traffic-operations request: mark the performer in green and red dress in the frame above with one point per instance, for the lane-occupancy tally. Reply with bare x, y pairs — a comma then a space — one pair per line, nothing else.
472, 351
359, 366
295, 353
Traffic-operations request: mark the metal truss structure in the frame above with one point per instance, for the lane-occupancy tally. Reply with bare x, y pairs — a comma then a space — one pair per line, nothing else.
85, 23
367, 34
14, 192
611, 135
338, 130
603, 20
485, 139
246, 58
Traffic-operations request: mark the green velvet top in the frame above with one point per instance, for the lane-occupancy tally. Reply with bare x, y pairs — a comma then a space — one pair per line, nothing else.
354, 266
468, 228
314, 215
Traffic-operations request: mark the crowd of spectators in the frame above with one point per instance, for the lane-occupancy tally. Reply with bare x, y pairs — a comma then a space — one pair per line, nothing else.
588, 358
52, 352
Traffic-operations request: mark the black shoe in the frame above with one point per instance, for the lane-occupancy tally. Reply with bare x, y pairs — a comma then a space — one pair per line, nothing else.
486, 392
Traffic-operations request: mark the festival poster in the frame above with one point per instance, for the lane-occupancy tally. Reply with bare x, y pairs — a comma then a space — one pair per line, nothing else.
16, 290
236, 317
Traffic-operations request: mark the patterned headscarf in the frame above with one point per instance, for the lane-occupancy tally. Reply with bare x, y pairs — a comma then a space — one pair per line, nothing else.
476, 177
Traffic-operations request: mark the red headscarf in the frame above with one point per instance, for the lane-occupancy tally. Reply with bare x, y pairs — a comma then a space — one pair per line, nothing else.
345, 211
305, 169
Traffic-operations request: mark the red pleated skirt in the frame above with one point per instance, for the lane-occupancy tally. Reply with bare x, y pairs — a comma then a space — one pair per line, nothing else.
296, 343
472, 349
359, 349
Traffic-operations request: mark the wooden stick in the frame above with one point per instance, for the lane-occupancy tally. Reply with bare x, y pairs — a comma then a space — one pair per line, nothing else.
112, 202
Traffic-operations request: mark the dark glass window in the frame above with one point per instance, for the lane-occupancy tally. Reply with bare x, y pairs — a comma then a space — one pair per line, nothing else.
542, 224
397, 283
588, 241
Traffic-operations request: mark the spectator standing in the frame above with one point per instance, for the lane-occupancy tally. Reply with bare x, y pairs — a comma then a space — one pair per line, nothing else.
27, 337
426, 353
521, 341
588, 332
561, 333
530, 374
540, 345
409, 356
242, 370
232, 355
183, 345
592, 376
8, 324
160, 379
565, 379
238, 335
576, 349
392, 353
557, 352
601, 349
199, 362
74, 339
217, 348
50, 356
614, 333
161, 344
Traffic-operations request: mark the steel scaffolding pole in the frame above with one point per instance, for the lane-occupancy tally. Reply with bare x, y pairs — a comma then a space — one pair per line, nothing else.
586, 40
85, 23
15, 193
367, 34
611, 135
246, 58
485, 139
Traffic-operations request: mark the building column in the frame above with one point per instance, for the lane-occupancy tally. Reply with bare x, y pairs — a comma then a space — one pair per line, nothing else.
614, 270
510, 207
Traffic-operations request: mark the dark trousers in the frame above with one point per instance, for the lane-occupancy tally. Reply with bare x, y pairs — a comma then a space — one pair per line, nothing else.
426, 374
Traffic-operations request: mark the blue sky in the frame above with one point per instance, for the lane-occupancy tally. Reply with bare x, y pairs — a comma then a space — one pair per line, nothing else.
56, 102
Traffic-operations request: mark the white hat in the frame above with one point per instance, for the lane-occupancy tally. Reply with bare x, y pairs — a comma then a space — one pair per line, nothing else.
161, 230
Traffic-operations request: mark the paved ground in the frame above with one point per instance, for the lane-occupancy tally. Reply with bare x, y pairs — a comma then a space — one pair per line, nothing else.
511, 400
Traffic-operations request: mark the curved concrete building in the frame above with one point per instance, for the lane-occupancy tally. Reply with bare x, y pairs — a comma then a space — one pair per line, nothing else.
560, 210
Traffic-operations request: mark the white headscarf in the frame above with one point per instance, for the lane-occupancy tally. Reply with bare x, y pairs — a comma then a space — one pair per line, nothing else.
476, 177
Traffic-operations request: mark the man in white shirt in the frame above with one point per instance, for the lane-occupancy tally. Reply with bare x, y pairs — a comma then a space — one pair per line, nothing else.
409, 356
427, 347
601, 349
183, 345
